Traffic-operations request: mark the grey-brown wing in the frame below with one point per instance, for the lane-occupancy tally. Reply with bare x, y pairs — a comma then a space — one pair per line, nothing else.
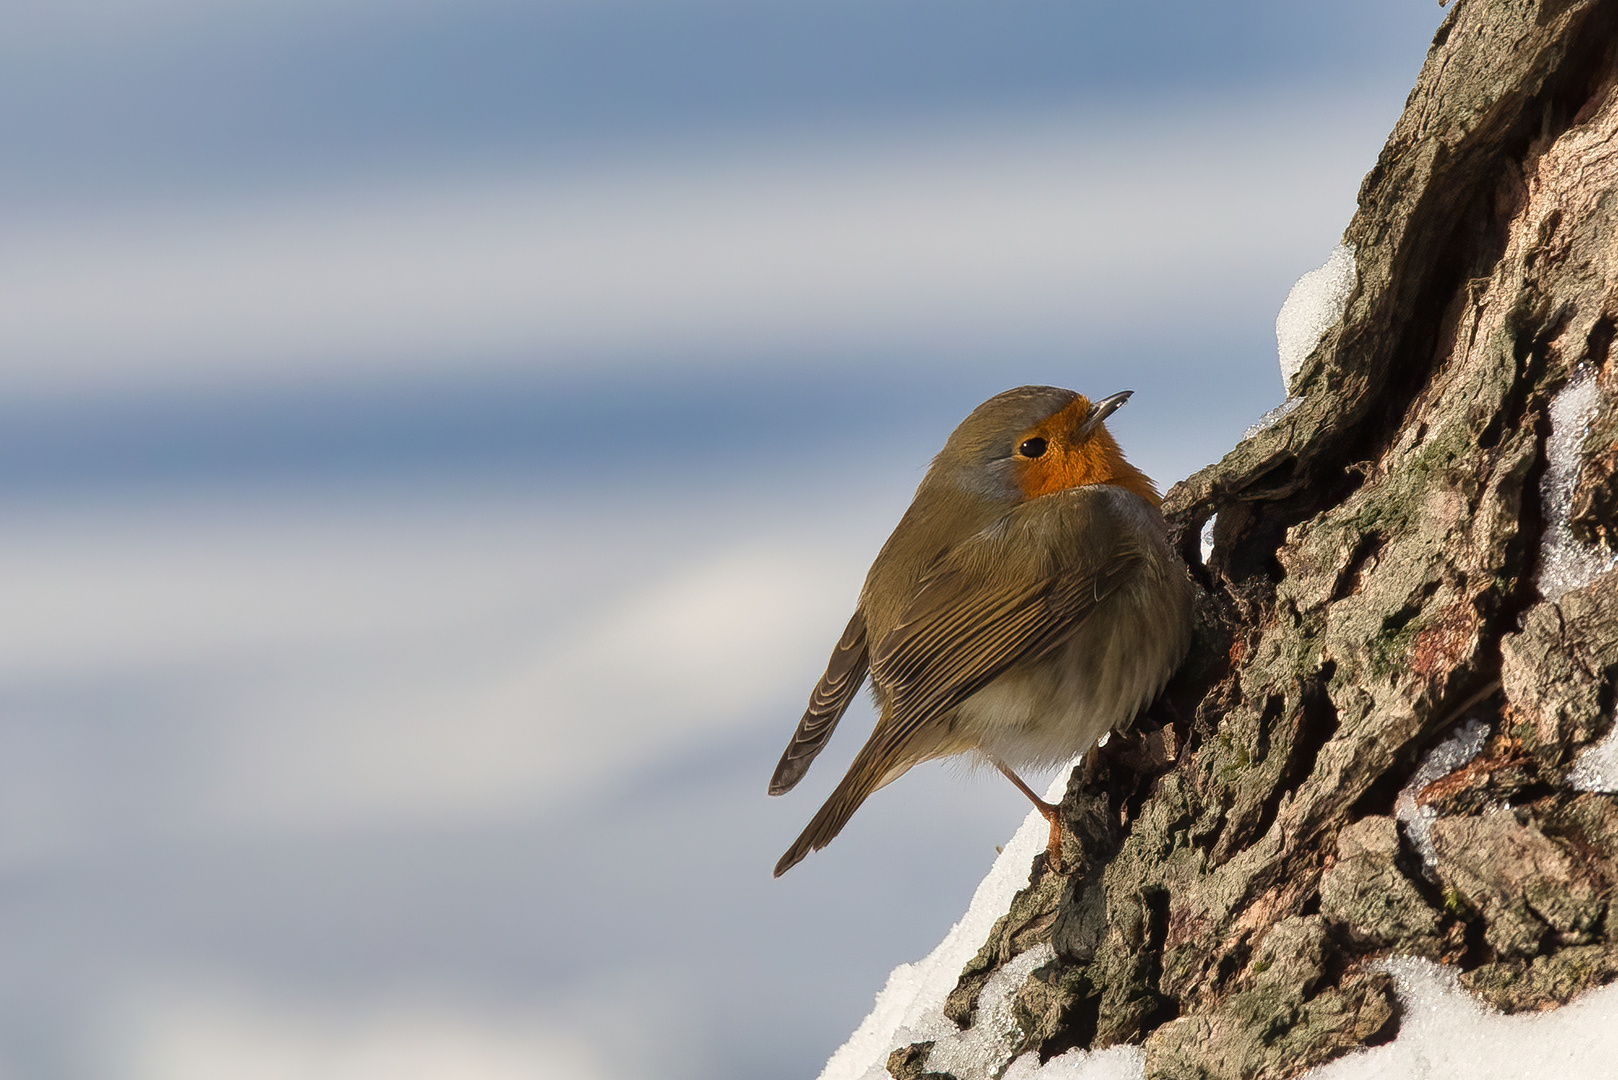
957, 635
845, 673
961, 632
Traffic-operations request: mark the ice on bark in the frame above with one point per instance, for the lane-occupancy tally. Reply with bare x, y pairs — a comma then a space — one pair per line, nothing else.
1596, 767
1113, 1063
1566, 563
1269, 419
1440, 761
981, 1051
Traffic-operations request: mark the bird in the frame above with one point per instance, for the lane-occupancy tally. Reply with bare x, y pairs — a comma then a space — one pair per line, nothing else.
1027, 603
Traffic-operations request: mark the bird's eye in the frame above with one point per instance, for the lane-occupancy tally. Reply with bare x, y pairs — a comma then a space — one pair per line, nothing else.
1032, 447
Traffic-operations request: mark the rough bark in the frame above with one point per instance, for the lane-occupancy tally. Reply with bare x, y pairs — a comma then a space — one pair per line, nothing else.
1235, 866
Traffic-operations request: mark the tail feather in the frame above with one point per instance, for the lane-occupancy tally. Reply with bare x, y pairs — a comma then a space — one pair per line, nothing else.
868, 773
830, 699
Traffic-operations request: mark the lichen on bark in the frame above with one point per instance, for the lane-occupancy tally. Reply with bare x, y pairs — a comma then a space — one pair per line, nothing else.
1236, 869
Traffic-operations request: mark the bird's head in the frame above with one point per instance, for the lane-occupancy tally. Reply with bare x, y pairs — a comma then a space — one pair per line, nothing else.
1038, 440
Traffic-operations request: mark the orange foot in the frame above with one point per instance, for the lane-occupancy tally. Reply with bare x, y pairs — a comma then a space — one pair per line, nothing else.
1049, 811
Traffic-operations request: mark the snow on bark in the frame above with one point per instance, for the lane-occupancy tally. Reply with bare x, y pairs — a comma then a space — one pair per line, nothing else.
1314, 305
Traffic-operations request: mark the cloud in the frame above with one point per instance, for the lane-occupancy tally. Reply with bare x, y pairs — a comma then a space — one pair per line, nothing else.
121, 24
220, 1032
287, 665
999, 229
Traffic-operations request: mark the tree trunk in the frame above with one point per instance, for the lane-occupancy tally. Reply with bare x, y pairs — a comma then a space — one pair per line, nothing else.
1415, 555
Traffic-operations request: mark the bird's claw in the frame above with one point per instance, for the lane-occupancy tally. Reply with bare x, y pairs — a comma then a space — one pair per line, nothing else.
1053, 847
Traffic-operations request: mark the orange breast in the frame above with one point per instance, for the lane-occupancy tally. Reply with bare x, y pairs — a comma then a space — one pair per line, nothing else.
1070, 462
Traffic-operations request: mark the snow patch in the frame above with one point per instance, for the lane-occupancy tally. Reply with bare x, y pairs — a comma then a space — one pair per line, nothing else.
1441, 760
1315, 304
1565, 563
1596, 767
1446, 1034
910, 1007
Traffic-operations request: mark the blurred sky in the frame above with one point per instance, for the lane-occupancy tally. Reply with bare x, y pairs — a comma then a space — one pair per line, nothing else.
440, 443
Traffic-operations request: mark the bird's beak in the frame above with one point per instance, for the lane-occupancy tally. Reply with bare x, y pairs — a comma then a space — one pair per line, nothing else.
1103, 409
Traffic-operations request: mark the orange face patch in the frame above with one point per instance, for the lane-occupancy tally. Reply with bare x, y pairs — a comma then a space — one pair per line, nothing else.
1071, 460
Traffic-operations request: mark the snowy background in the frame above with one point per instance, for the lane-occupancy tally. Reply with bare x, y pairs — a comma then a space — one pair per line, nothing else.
441, 441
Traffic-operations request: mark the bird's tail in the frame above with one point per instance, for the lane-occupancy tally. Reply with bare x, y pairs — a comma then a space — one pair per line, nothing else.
866, 775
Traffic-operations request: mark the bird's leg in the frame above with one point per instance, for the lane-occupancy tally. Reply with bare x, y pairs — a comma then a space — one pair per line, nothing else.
1049, 811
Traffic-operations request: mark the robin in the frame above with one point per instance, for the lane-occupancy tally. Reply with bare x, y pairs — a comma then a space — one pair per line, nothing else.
1027, 603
